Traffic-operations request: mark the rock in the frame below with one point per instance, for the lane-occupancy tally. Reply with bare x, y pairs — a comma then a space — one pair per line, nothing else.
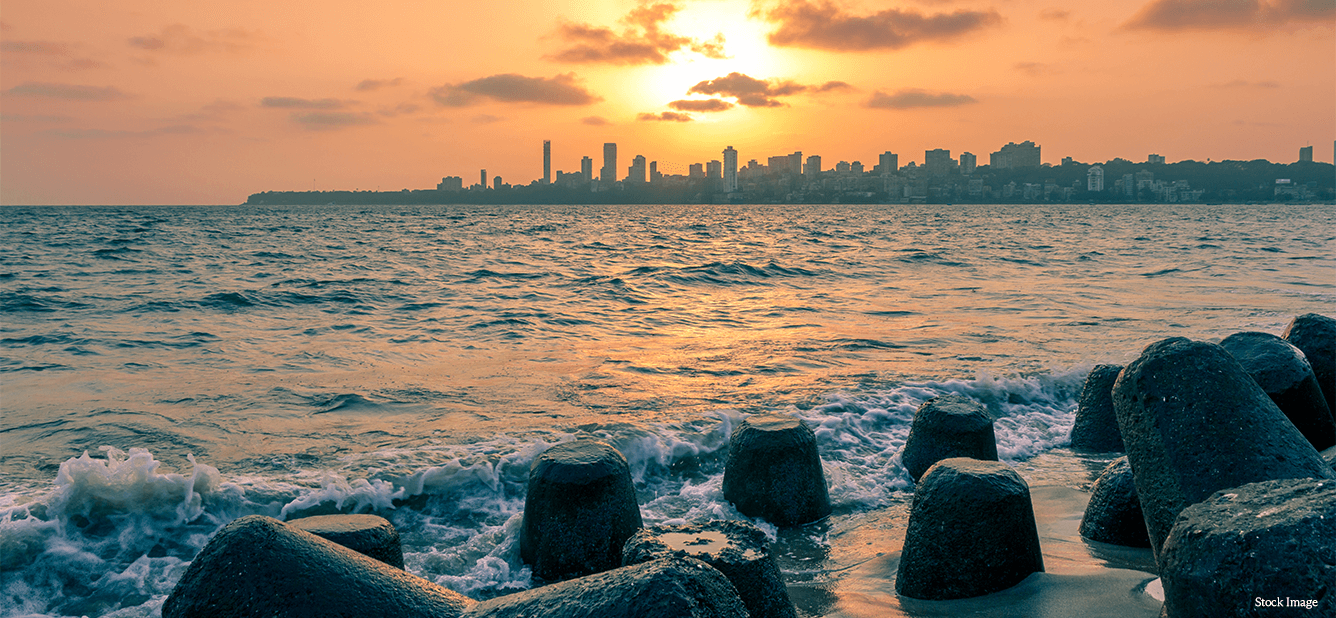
773, 471
948, 426
971, 532
368, 535
1096, 426
1330, 456
1253, 550
580, 508
1316, 336
1283, 372
1194, 422
1113, 514
259, 566
738, 550
672, 587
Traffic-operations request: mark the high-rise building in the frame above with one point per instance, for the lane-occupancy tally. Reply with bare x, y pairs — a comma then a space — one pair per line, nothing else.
888, 162
1095, 178
730, 170
609, 171
496, 182
937, 161
1155, 159
450, 183
482, 182
1306, 154
696, 170
1024, 154
714, 171
968, 162
547, 161
842, 167
636, 173
856, 168
654, 176
813, 166
587, 168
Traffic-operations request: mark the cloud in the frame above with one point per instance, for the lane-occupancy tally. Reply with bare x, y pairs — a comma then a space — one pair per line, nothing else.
640, 42
1034, 69
595, 121
34, 118
911, 98
485, 119
666, 117
214, 111
822, 25
1179, 15
58, 55
1055, 15
181, 40
701, 105
753, 92
326, 121
512, 88
400, 109
299, 103
368, 85
176, 129
68, 92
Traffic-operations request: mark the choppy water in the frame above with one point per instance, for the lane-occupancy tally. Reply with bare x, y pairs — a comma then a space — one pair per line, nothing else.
220, 361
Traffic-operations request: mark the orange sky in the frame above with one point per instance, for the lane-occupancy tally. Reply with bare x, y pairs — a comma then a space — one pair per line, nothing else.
169, 102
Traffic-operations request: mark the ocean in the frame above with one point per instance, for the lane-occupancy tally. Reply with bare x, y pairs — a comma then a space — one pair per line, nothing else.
165, 370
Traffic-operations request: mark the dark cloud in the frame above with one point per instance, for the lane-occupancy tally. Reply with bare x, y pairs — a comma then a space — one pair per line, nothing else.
595, 121
666, 117
701, 105
325, 121
1178, 15
822, 25
906, 99
179, 39
299, 103
512, 88
69, 92
753, 92
57, 55
640, 42
368, 85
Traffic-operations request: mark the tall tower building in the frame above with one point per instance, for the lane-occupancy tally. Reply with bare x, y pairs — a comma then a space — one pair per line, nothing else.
482, 178
1306, 154
937, 161
587, 168
813, 166
1095, 178
731, 170
889, 162
547, 161
968, 162
609, 171
636, 173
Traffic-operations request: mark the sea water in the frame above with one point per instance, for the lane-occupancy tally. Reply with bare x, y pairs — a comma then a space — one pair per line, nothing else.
165, 370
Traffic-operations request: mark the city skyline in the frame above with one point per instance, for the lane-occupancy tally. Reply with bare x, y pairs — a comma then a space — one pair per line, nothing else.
144, 102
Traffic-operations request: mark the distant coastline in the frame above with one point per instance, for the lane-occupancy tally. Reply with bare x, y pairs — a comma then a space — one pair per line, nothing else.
1119, 182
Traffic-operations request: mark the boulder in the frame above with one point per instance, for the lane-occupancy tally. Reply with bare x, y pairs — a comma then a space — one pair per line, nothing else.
971, 532
368, 535
1096, 426
1261, 549
1316, 336
773, 471
738, 550
259, 566
1283, 372
1330, 456
1113, 514
948, 426
580, 508
673, 587
1194, 422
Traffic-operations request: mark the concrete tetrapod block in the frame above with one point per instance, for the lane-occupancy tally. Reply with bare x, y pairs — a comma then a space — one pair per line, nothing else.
368, 535
948, 426
739, 550
1113, 514
1096, 426
773, 471
673, 587
971, 532
1194, 422
1263, 549
259, 566
1316, 335
1283, 372
580, 508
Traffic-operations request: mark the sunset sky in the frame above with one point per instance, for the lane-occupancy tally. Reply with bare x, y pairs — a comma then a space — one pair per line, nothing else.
170, 102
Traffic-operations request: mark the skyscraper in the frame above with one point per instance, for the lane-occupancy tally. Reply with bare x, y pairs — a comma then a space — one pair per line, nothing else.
968, 162
1095, 178
483, 176
636, 173
889, 162
937, 161
587, 168
609, 171
547, 161
1306, 154
731, 170
813, 166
